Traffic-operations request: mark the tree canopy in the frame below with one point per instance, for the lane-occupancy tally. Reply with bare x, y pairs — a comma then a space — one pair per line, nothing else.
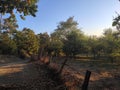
27, 43
23, 7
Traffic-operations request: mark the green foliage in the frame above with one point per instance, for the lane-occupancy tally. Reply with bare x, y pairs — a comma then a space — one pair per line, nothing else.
9, 25
7, 45
55, 46
43, 39
64, 28
91, 45
27, 43
111, 44
24, 42
73, 43
67, 37
23, 7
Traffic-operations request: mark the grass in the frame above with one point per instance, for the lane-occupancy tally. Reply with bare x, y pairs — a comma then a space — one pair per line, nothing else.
102, 64
103, 75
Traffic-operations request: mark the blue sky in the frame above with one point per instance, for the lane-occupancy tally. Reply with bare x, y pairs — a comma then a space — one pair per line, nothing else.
92, 15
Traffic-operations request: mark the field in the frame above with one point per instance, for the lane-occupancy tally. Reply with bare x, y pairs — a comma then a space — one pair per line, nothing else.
18, 74
105, 75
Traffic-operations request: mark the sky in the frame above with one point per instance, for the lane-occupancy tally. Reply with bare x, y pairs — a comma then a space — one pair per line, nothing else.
93, 16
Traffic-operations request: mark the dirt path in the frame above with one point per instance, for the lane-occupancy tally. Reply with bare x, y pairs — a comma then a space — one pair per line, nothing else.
17, 73
21, 75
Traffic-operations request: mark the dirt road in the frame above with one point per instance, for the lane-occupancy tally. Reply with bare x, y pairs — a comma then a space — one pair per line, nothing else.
19, 73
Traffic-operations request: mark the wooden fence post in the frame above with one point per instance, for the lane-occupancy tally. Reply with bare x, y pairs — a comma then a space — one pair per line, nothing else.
86, 80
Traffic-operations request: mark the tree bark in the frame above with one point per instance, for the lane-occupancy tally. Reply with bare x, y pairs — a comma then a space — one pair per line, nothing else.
64, 63
0, 23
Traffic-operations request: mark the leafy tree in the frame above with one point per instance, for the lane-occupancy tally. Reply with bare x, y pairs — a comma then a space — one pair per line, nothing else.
9, 26
111, 44
109, 41
55, 46
73, 43
86, 49
7, 45
92, 42
116, 22
67, 33
64, 28
43, 42
27, 43
23, 7
106, 45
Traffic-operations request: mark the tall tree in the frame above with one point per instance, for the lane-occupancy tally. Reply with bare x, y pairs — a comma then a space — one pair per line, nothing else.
21, 7
92, 42
55, 46
73, 43
9, 25
65, 33
43, 44
27, 43
111, 44
65, 27
7, 45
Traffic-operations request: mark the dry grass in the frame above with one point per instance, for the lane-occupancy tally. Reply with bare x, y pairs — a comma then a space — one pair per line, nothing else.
105, 75
21, 75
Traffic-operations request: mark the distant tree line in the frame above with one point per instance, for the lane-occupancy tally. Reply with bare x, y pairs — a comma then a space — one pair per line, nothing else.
66, 40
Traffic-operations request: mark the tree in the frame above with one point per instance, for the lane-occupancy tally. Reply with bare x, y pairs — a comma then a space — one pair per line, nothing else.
43, 43
55, 46
67, 32
27, 43
64, 28
73, 43
9, 25
116, 22
23, 7
92, 42
111, 44
7, 45
109, 41
86, 49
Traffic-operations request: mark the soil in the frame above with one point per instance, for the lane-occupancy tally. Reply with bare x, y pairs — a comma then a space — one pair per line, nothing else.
104, 75
23, 75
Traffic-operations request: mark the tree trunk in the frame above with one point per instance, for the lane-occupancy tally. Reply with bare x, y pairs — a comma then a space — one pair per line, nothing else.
40, 53
64, 63
0, 23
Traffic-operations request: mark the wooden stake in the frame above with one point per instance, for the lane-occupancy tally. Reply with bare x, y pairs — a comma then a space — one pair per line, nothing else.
86, 80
